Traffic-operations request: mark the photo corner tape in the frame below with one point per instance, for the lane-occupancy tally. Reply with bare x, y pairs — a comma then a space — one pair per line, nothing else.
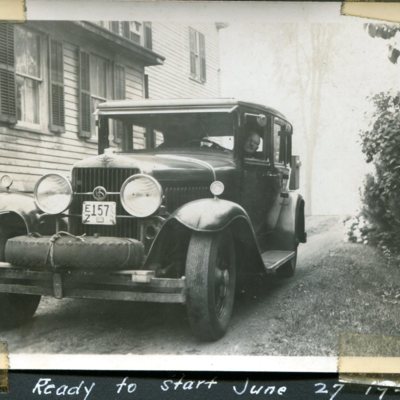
12, 10
372, 10
369, 359
4, 367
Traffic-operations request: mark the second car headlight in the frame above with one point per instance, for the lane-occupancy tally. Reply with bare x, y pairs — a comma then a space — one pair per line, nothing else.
141, 195
53, 193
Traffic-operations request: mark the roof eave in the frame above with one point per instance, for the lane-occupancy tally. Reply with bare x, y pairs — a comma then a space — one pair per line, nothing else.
146, 56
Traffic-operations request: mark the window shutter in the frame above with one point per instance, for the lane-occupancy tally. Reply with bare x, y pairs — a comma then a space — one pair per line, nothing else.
192, 44
115, 27
8, 93
148, 35
56, 84
202, 45
146, 88
126, 30
84, 95
119, 82
119, 94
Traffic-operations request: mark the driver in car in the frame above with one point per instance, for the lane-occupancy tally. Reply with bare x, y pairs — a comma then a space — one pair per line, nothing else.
251, 144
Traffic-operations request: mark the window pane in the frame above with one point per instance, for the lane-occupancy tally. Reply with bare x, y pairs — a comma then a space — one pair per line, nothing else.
93, 107
98, 77
159, 138
27, 52
27, 100
139, 137
277, 141
115, 26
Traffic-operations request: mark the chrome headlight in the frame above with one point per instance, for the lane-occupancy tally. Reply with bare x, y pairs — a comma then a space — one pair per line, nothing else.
53, 193
141, 195
6, 181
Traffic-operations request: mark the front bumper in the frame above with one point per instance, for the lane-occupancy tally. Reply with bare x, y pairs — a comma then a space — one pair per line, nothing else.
64, 265
128, 285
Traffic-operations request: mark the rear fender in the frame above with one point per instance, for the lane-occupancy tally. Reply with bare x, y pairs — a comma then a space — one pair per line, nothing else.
209, 215
290, 228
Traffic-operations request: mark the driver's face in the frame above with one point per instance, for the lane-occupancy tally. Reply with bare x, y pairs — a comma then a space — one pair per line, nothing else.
252, 143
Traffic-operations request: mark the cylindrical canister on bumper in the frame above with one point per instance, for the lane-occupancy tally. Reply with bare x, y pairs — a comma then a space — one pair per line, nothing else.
105, 253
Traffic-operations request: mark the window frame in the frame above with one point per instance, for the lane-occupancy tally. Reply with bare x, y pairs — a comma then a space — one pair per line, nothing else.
284, 146
110, 91
43, 87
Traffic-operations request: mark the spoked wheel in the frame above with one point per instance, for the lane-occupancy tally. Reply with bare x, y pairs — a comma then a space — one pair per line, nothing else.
210, 280
17, 309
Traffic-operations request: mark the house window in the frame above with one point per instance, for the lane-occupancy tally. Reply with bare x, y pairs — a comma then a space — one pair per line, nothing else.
197, 55
30, 94
28, 75
98, 81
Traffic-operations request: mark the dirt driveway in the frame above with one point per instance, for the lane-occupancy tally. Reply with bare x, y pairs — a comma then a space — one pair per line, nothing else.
338, 287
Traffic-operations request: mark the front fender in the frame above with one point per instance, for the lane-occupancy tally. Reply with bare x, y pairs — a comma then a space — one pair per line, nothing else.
210, 215
22, 205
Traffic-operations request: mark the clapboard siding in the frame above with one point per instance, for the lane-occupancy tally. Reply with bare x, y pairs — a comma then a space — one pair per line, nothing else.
134, 83
27, 155
173, 79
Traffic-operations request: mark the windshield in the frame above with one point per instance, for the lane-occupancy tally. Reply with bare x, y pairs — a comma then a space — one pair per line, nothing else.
164, 132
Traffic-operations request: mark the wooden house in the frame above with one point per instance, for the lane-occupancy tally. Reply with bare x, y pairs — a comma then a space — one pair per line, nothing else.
54, 73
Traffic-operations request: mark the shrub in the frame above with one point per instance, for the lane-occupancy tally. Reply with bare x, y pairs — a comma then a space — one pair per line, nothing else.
381, 192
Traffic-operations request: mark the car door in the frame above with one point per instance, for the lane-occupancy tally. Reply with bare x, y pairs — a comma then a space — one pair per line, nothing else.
259, 183
280, 172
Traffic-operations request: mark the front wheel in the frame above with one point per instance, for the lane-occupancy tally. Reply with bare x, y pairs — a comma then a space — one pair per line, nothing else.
16, 309
210, 281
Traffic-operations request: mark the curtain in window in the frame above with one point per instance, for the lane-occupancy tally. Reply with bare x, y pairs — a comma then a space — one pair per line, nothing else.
28, 74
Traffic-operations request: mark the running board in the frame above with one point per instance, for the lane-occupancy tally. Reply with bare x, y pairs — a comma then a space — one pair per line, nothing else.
273, 259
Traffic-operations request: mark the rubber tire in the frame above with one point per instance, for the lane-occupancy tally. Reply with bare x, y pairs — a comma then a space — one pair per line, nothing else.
17, 309
288, 269
208, 318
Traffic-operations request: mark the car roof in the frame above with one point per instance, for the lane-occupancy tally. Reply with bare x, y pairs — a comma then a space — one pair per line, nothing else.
150, 106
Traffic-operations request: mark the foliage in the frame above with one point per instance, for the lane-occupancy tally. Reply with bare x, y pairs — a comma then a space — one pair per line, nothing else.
357, 229
387, 32
381, 193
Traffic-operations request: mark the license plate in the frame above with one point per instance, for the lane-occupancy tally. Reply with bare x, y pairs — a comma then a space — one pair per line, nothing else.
99, 212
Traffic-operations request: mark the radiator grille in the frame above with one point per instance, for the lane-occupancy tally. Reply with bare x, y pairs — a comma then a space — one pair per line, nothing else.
177, 195
85, 180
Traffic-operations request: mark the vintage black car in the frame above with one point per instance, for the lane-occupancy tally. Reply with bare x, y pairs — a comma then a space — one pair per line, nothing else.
185, 200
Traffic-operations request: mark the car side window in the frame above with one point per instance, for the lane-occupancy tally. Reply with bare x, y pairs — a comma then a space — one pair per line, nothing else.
278, 130
282, 141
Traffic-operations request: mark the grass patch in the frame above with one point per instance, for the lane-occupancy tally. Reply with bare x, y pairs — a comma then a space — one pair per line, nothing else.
353, 289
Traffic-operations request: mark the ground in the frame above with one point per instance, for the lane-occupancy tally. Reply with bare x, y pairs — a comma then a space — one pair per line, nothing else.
338, 288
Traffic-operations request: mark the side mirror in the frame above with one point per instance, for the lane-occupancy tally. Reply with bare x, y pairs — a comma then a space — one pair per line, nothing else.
294, 182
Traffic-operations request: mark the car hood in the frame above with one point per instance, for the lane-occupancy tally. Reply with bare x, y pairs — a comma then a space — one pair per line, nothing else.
167, 165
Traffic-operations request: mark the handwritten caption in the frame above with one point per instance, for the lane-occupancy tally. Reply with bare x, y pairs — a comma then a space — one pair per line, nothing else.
128, 387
